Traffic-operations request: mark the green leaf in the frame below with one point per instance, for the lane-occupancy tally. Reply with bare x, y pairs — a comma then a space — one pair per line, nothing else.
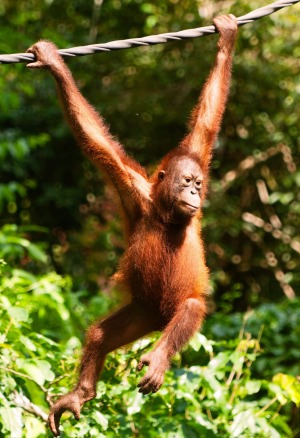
27, 343
266, 429
291, 386
45, 368
36, 253
34, 427
135, 403
253, 386
199, 340
38, 370
201, 420
242, 421
11, 419
237, 359
34, 372
18, 313
100, 419
279, 393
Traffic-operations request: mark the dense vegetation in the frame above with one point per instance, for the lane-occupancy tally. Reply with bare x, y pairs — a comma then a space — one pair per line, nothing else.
60, 235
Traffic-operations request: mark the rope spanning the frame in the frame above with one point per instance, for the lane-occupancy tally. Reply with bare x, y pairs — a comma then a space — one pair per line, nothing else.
154, 39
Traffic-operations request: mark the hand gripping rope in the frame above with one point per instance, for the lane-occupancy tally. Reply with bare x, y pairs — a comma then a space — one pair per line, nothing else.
153, 39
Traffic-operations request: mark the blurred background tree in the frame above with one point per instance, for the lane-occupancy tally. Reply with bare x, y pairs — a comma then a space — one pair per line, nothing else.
146, 95
52, 198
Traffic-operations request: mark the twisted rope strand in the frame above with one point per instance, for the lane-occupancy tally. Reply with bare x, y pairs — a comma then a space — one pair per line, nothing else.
152, 39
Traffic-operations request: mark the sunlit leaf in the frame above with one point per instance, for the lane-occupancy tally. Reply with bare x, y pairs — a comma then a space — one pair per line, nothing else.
100, 419
199, 340
19, 314
253, 386
290, 385
12, 421
244, 420
135, 403
27, 343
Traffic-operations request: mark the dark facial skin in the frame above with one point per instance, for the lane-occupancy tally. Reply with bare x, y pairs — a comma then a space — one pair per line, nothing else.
181, 189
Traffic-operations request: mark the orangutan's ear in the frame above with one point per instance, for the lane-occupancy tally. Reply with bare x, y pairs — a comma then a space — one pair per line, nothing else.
161, 175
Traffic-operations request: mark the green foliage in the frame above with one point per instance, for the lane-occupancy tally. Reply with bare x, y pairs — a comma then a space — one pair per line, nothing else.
276, 325
218, 399
146, 95
235, 385
211, 391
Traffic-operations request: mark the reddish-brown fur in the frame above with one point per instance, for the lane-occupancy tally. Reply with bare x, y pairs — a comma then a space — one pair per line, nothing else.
164, 265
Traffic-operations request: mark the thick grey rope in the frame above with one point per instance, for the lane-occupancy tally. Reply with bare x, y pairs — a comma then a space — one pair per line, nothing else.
153, 39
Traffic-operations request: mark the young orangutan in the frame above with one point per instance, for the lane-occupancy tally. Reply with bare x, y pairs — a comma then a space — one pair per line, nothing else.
164, 264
